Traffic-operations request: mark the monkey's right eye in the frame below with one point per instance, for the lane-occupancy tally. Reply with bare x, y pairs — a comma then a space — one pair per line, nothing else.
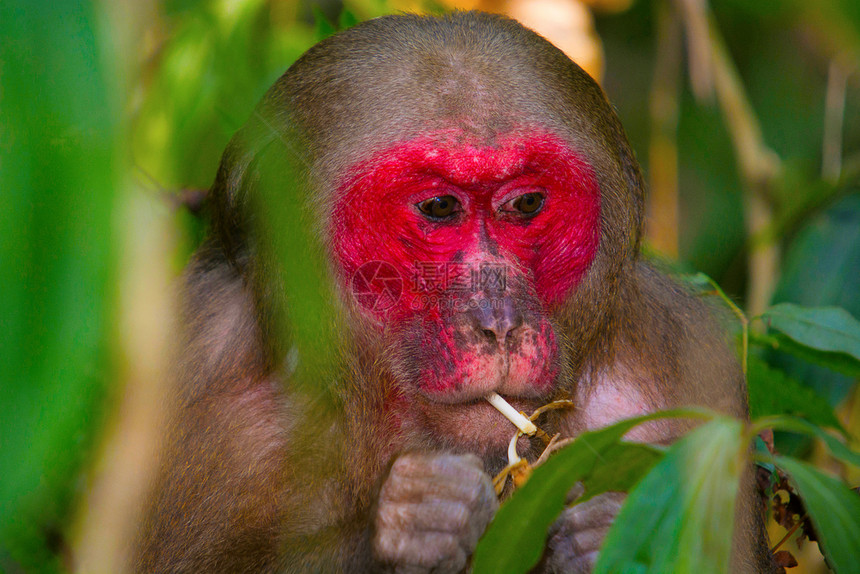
442, 207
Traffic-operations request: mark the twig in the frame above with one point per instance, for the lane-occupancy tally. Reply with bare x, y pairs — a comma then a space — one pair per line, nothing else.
834, 118
788, 534
759, 167
695, 17
663, 148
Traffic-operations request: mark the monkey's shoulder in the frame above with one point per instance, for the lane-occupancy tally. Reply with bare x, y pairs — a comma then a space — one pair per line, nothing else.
683, 339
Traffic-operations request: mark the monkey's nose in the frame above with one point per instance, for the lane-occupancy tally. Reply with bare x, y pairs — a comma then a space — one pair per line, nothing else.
496, 318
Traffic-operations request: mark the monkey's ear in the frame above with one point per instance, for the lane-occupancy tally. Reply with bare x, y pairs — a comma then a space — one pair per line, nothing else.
227, 198
235, 187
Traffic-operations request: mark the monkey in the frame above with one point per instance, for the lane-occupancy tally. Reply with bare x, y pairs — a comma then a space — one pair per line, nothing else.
478, 213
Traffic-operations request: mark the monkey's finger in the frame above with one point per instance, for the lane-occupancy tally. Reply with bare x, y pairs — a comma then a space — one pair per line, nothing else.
407, 489
597, 512
430, 515
451, 467
568, 561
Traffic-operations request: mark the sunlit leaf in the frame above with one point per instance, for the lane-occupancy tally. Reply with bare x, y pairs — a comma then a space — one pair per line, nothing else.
680, 517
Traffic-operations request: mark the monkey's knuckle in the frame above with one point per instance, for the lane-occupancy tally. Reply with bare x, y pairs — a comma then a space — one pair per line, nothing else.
433, 551
394, 516
389, 545
575, 539
571, 562
471, 460
409, 465
451, 516
482, 495
599, 511
448, 553
398, 487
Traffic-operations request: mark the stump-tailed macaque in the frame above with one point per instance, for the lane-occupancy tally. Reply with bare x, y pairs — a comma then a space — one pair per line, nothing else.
480, 211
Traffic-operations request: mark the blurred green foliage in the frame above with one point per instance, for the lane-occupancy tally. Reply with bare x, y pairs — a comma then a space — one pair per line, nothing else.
782, 49
59, 140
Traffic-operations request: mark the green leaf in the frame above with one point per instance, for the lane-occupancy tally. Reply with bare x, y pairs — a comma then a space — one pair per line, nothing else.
304, 307
839, 362
59, 123
829, 329
620, 469
792, 424
680, 517
515, 539
834, 510
772, 392
820, 269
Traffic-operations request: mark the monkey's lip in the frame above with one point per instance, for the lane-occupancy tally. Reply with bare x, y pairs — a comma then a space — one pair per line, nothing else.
480, 408
494, 428
474, 425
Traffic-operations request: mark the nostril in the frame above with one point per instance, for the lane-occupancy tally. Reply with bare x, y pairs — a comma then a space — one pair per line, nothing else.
497, 323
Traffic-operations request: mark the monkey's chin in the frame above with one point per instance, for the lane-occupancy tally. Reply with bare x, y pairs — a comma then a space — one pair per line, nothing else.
476, 426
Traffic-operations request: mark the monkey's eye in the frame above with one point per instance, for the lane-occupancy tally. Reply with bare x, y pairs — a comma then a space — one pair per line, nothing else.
441, 207
528, 204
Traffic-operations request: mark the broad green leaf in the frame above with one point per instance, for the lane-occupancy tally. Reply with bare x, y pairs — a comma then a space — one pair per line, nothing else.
620, 468
515, 539
680, 517
839, 362
834, 510
820, 269
58, 184
829, 329
772, 392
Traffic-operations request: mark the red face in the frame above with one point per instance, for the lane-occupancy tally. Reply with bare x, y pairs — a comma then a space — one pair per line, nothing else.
462, 251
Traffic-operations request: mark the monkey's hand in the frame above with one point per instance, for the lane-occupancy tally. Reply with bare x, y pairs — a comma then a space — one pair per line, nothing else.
432, 510
575, 538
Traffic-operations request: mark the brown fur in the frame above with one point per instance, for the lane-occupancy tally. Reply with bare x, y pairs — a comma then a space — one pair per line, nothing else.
258, 475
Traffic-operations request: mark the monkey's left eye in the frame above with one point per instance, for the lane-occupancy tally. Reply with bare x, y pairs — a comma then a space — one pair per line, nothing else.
528, 204
441, 207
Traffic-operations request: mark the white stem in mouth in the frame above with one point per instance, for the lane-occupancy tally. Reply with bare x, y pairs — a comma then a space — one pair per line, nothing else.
517, 418
513, 457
